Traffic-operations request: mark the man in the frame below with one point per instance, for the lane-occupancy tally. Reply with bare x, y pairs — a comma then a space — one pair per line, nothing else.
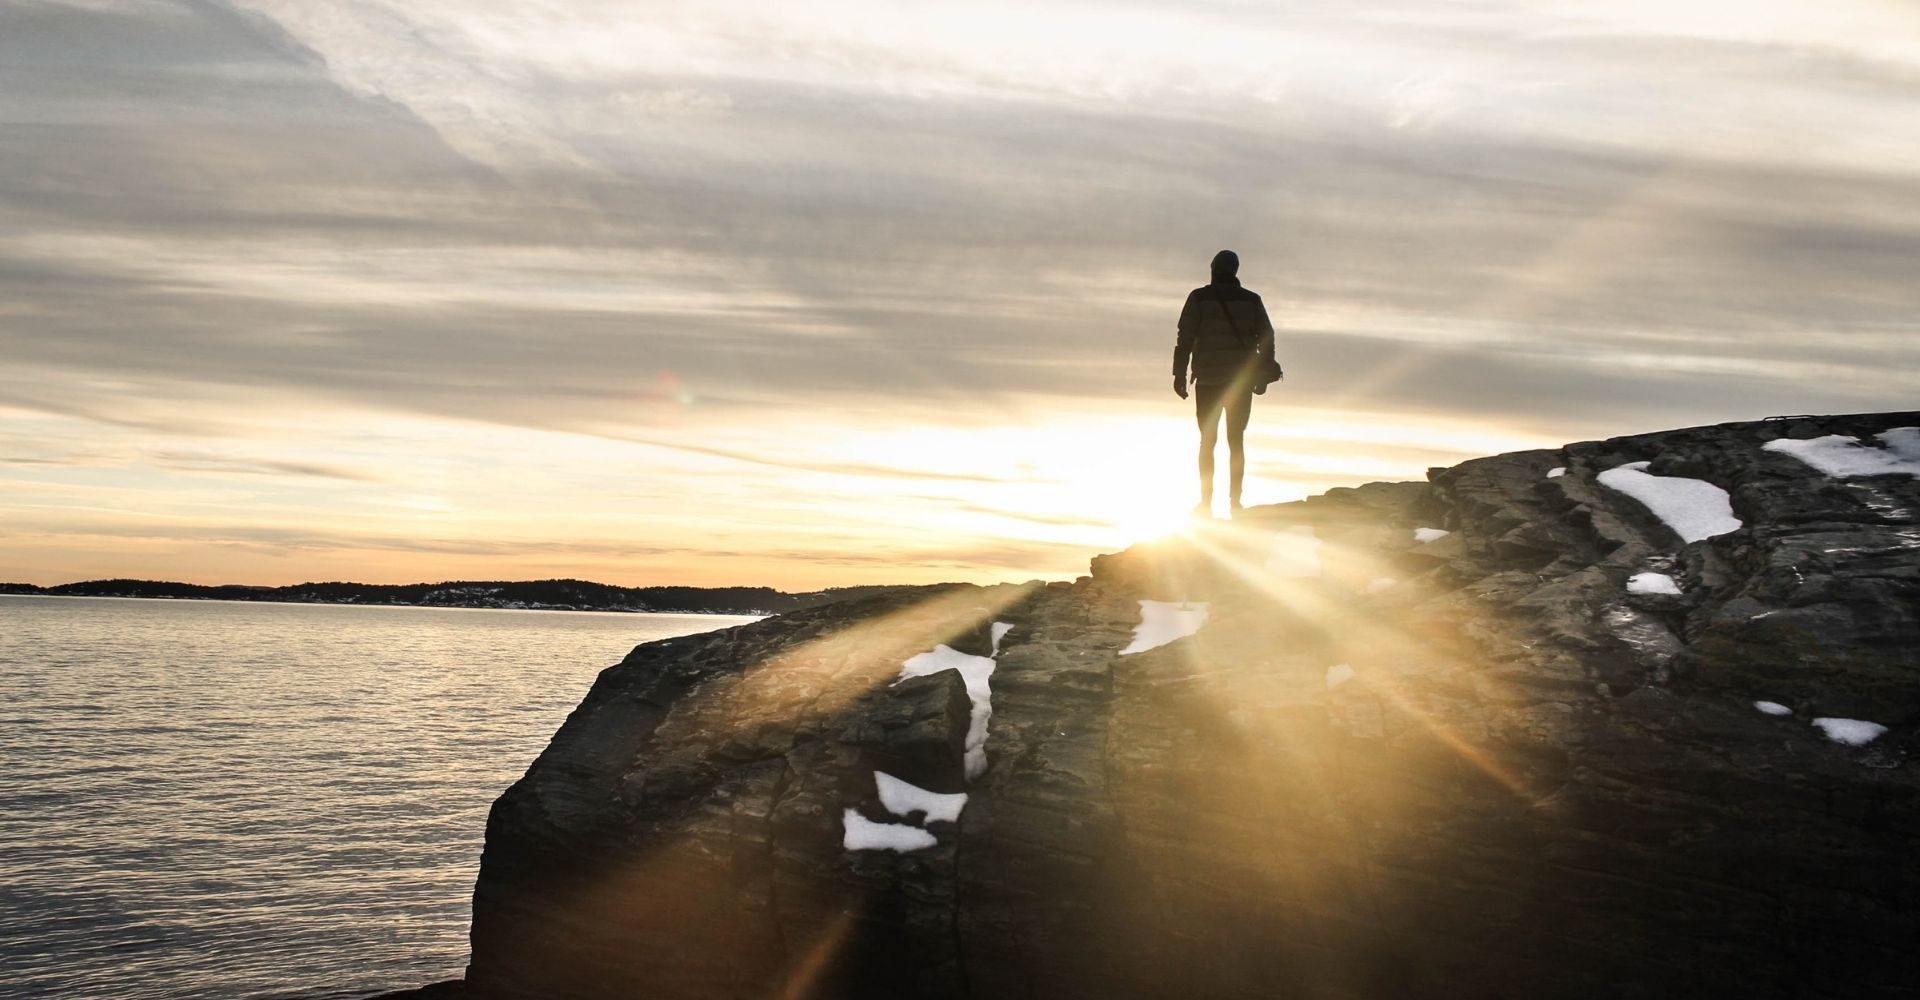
1225, 333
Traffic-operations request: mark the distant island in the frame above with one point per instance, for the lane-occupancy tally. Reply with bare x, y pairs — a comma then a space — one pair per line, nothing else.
535, 595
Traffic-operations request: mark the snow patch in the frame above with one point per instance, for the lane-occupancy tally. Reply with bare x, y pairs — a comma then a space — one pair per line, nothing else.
1852, 732
864, 834
1425, 535
1162, 622
1772, 708
1295, 553
1556, 472
1844, 457
1902, 441
1693, 508
977, 672
903, 799
1000, 630
1339, 674
1652, 583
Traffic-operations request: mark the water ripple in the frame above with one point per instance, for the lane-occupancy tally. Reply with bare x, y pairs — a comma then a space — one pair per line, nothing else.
212, 799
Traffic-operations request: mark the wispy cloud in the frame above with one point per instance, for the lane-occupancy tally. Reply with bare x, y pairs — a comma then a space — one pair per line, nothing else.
687, 229
856, 469
193, 461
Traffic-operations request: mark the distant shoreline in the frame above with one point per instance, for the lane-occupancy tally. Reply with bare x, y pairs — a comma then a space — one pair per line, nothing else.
420, 607
537, 595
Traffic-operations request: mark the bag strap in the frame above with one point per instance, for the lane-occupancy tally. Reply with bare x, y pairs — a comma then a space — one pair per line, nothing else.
1252, 346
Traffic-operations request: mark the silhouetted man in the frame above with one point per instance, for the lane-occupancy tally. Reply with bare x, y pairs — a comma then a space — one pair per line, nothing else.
1225, 333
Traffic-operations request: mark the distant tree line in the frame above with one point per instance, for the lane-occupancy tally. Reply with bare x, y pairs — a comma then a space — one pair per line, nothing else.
568, 595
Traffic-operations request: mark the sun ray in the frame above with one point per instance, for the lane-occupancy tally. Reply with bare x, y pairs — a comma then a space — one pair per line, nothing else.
1224, 548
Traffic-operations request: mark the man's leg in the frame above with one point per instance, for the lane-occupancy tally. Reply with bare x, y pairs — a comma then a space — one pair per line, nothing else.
1239, 407
1206, 408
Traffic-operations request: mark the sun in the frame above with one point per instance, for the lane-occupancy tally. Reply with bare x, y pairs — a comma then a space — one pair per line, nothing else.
1102, 482
1147, 513
1129, 488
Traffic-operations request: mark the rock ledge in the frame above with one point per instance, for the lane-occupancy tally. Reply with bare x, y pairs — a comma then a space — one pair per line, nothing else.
1464, 764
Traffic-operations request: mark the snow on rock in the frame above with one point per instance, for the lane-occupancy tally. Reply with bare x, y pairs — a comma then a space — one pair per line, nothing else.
1161, 622
1772, 708
1425, 535
1843, 456
1556, 472
1652, 583
1295, 553
903, 799
1852, 732
864, 834
1693, 508
977, 672
1339, 674
1379, 583
1902, 441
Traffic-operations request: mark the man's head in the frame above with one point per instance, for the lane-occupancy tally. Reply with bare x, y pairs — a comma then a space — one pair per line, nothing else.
1226, 264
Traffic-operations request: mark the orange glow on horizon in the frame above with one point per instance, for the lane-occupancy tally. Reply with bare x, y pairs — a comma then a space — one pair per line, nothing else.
812, 503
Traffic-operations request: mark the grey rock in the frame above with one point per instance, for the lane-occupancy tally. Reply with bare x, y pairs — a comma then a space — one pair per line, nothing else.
1533, 784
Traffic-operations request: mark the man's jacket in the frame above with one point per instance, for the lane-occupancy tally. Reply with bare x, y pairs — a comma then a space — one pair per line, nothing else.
1208, 341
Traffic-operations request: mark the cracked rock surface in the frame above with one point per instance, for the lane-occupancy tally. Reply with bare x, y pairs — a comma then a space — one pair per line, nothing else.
1534, 784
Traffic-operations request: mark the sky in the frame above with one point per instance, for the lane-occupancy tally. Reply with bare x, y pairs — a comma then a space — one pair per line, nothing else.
834, 293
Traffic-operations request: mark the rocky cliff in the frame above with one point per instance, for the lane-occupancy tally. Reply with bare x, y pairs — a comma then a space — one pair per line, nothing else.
1626, 719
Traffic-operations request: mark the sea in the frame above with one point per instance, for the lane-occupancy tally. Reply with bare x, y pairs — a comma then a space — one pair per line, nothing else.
224, 799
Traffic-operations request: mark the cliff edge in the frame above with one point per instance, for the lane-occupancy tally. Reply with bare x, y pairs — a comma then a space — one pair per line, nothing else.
1631, 718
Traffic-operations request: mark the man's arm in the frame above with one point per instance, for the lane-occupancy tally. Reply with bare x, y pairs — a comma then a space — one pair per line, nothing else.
1266, 332
1183, 346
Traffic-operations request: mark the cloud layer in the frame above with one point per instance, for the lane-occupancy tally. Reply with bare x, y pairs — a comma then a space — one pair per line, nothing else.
751, 237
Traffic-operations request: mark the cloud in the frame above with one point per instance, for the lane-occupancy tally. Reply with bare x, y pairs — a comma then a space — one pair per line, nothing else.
1045, 520
664, 230
857, 469
190, 461
280, 542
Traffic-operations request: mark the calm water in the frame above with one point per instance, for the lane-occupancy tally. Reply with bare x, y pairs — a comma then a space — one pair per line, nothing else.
209, 799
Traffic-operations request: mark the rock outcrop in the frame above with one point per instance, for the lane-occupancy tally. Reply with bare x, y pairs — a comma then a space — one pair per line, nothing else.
1502, 734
